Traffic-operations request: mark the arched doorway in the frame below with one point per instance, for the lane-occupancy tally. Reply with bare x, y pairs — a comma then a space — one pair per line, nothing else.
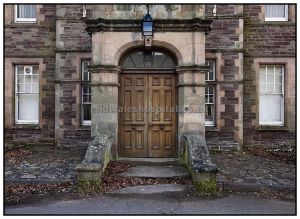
147, 100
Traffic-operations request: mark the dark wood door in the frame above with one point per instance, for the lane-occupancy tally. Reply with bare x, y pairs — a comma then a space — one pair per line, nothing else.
147, 115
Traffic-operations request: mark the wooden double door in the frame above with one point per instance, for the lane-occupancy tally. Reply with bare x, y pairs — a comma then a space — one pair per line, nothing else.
147, 115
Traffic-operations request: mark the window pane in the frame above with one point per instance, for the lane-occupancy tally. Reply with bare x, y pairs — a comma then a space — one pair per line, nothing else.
206, 99
86, 112
35, 88
278, 88
148, 59
27, 79
210, 75
28, 106
21, 88
85, 72
209, 104
278, 74
20, 69
20, 79
86, 98
209, 112
35, 79
26, 11
211, 99
270, 108
28, 88
275, 11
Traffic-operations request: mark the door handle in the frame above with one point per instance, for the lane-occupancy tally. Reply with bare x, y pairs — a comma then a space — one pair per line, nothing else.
150, 124
161, 127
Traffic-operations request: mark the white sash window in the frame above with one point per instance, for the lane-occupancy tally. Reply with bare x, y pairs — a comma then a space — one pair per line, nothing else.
25, 13
210, 94
271, 95
27, 94
85, 94
276, 12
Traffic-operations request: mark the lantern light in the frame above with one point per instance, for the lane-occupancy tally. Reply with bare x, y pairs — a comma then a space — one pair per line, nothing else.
147, 29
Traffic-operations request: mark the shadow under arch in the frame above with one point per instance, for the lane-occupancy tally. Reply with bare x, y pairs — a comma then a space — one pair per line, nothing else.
160, 46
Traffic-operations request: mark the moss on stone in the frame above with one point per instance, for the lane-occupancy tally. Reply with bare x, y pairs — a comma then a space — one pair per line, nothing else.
207, 187
89, 187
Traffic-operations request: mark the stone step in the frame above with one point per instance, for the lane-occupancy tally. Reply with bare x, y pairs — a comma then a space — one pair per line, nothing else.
153, 189
151, 161
156, 172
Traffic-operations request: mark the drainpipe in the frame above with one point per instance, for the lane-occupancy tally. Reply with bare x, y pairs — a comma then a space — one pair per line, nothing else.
214, 10
83, 11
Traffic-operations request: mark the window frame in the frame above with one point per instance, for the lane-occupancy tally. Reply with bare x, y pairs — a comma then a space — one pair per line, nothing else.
282, 105
17, 120
84, 82
24, 20
207, 83
285, 18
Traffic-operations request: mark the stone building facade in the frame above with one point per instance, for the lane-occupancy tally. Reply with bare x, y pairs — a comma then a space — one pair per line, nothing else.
225, 58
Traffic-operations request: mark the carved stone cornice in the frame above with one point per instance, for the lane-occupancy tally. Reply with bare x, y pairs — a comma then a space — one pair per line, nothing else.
160, 25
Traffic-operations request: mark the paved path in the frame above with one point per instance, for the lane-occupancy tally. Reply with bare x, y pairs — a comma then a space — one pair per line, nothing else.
244, 168
160, 204
44, 164
235, 168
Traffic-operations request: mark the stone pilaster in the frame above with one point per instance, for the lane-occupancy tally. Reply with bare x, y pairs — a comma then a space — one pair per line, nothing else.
105, 87
191, 99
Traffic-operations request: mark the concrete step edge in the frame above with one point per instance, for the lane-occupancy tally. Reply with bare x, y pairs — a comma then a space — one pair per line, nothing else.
152, 189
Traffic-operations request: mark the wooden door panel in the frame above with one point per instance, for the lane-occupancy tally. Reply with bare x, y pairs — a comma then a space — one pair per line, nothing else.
162, 122
145, 133
133, 122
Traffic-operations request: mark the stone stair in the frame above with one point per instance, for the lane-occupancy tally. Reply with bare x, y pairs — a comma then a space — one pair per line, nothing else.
159, 172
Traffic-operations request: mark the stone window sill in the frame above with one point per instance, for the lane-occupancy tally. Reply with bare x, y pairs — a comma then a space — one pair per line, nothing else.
26, 126
271, 128
211, 129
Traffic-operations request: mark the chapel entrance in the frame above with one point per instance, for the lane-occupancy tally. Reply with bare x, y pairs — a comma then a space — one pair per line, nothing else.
147, 100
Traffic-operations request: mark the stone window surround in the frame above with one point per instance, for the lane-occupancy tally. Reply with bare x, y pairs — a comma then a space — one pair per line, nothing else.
10, 16
24, 20
10, 71
287, 66
291, 14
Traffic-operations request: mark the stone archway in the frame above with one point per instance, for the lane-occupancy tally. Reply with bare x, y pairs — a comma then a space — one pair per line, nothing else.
108, 48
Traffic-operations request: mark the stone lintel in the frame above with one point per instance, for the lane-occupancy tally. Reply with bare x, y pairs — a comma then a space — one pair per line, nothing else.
62, 81
201, 69
104, 69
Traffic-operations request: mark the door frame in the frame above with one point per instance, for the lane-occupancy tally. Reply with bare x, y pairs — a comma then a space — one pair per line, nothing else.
148, 71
